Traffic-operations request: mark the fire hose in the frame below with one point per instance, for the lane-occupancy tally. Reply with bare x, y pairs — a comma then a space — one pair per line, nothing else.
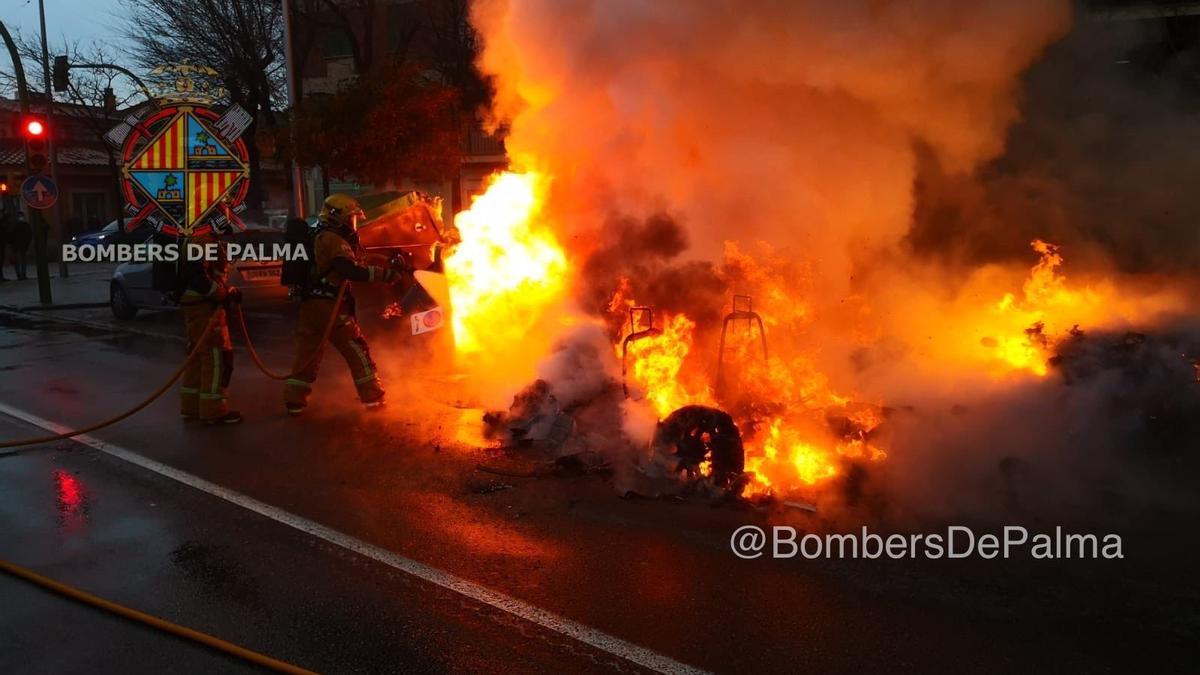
152, 621
192, 355
262, 366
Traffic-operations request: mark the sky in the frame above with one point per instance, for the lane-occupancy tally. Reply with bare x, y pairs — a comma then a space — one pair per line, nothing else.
84, 20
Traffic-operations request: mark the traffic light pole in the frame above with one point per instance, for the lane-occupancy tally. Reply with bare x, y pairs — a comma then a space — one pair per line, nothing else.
51, 156
292, 74
43, 269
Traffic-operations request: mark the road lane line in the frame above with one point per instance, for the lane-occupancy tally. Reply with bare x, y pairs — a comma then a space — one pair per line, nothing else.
641, 656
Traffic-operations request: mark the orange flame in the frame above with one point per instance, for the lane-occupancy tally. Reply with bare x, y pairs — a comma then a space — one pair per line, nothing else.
786, 451
656, 361
507, 269
1023, 340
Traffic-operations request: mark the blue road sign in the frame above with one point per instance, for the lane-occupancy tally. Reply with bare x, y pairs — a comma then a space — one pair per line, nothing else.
39, 192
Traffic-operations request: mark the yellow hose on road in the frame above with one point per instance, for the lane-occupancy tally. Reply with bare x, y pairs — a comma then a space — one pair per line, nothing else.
152, 621
212, 322
120, 610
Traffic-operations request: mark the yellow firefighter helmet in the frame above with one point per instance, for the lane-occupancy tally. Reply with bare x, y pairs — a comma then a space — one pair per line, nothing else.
341, 211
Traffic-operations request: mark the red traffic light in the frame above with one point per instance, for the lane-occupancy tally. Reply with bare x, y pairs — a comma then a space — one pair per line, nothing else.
3, 187
34, 128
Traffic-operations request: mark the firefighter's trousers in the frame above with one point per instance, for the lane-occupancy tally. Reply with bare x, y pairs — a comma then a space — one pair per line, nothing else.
346, 337
205, 384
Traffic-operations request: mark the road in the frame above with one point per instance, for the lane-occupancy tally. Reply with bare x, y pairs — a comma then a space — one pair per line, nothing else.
348, 542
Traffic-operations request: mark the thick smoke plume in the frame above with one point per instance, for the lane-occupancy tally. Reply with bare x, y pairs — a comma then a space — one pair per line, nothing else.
1099, 162
793, 122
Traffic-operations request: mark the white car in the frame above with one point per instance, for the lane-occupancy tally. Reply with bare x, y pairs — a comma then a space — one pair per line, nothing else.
132, 286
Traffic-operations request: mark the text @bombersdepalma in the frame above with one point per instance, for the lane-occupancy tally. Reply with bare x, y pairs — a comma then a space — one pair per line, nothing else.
174, 252
955, 542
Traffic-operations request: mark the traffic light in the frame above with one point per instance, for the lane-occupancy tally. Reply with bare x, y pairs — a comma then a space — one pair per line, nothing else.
61, 73
4, 186
35, 131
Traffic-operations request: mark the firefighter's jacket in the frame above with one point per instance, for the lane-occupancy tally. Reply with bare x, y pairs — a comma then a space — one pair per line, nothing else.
338, 258
204, 280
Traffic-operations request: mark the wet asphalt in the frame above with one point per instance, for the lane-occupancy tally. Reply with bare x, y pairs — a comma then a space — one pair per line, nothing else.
135, 538
654, 573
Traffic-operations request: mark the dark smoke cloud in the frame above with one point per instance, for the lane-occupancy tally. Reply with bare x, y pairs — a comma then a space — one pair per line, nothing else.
638, 258
1109, 437
1103, 161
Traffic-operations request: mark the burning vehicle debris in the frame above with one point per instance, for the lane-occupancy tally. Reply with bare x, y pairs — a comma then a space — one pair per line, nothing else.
693, 446
740, 400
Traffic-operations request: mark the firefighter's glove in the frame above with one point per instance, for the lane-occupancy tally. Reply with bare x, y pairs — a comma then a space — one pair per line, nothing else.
392, 276
397, 270
400, 263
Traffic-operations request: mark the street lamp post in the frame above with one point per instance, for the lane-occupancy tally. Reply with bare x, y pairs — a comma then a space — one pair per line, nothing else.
297, 177
39, 240
51, 155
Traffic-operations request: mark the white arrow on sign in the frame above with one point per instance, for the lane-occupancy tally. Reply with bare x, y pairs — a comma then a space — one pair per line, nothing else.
39, 192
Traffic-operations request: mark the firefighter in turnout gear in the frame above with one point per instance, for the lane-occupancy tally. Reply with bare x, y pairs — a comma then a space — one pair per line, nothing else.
337, 258
205, 292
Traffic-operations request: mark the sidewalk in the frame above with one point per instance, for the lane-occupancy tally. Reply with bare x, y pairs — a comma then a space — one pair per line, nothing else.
86, 286
81, 299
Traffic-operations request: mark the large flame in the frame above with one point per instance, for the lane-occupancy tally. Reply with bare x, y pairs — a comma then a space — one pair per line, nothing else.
782, 405
1020, 332
1025, 327
507, 269
655, 365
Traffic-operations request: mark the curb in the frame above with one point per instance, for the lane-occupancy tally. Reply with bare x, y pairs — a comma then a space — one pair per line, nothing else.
9, 309
50, 308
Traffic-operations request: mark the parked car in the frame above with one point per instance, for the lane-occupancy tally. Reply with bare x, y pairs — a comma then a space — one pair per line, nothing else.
112, 234
132, 286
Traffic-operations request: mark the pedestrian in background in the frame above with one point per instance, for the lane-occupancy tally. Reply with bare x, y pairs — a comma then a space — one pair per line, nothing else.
5, 229
20, 237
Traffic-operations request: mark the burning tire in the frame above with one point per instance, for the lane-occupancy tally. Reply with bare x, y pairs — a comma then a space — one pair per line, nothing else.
706, 443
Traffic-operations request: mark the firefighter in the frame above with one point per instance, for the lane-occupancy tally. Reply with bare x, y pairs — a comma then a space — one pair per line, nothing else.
337, 258
203, 394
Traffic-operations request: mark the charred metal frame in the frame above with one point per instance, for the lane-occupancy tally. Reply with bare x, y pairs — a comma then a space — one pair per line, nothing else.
743, 309
634, 335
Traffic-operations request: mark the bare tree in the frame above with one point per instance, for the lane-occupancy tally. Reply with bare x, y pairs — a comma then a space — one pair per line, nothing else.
240, 39
433, 35
453, 46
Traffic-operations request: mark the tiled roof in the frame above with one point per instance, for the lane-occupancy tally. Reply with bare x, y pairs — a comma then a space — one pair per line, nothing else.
71, 109
67, 156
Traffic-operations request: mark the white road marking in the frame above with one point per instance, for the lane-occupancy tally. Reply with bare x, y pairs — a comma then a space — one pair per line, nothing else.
590, 636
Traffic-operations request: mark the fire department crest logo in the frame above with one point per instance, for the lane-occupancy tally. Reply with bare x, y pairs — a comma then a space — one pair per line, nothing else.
184, 165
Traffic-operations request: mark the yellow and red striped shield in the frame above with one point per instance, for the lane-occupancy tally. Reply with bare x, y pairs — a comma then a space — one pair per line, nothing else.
186, 168
168, 151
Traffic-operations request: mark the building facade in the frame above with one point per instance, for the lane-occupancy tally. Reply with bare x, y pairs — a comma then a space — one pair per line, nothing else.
87, 170
334, 41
